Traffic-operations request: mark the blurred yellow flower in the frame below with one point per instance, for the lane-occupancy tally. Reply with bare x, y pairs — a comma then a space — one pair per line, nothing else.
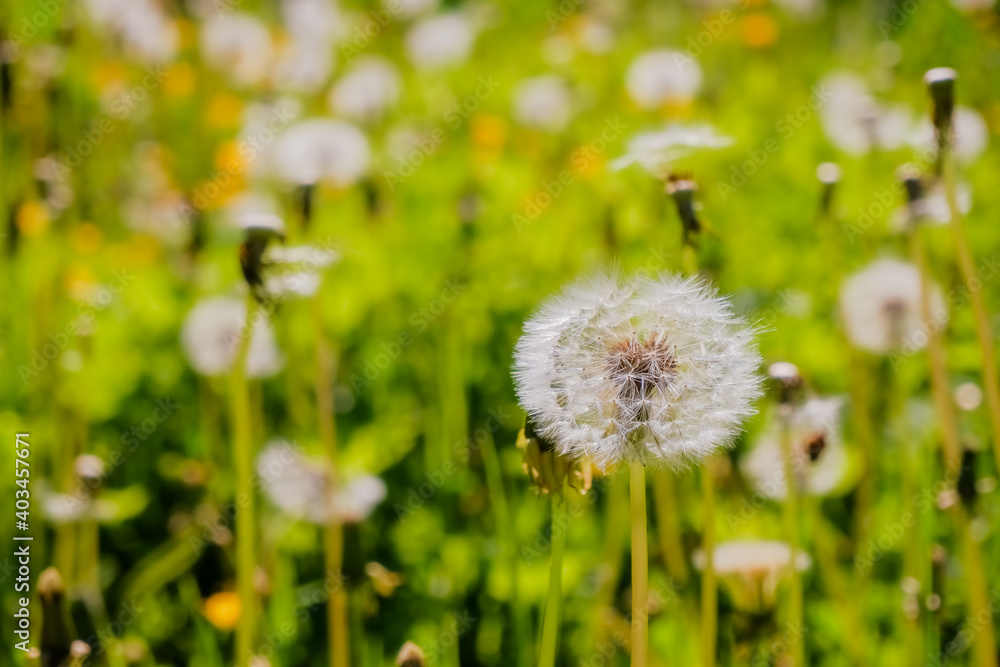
86, 238
224, 111
759, 30
32, 218
223, 610
488, 132
179, 80
79, 281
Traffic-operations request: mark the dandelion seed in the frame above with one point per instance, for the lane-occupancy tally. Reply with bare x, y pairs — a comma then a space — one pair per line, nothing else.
655, 370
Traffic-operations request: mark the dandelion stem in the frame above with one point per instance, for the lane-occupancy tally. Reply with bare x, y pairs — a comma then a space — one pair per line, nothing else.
792, 503
550, 624
983, 647
245, 522
984, 330
709, 592
640, 564
333, 531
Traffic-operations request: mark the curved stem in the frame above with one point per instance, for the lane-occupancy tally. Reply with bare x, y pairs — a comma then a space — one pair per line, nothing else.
640, 565
553, 602
245, 521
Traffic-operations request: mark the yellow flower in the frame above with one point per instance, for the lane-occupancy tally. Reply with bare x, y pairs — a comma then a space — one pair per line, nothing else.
223, 610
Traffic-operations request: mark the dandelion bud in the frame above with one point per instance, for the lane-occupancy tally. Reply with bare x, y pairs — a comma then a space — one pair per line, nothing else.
681, 187
828, 175
256, 240
55, 644
410, 656
786, 377
547, 469
941, 84
966, 484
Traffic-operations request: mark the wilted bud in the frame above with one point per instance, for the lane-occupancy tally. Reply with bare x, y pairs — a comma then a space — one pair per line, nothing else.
410, 656
681, 187
941, 84
547, 469
259, 231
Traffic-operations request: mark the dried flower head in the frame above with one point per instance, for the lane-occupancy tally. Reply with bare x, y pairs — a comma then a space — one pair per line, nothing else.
880, 306
654, 369
941, 85
751, 570
410, 655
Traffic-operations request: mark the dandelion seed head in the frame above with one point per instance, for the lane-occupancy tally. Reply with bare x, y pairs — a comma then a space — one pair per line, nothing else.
662, 76
367, 90
543, 103
881, 310
750, 570
321, 150
440, 41
657, 370
211, 334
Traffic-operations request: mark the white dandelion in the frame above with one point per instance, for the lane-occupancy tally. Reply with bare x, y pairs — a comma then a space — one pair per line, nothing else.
658, 77
302, 66
321, 150
239, 45
971, 135
295, 270
855, 122
440, 41
880, 307
366, 90
752, 569
819, 458
211, 335
305, 488
651, 370
543, 103
655, 151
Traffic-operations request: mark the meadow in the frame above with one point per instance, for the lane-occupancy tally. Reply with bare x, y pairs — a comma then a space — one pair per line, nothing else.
458, 333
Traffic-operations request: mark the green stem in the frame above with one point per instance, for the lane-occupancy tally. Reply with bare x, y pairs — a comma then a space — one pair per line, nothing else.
984, 330
709, 586
333, 531
640, 565
245, 522
795, 612
501, 513
550, 624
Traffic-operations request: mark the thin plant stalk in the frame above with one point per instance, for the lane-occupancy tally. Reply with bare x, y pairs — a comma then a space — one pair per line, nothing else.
709, 585
640, 565
791, 517
984, 330
553, 601
333, 531
245, 522
983, 646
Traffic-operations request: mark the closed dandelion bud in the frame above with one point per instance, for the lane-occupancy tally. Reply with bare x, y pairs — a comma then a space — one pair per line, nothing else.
828, 175
681, 187
547, 469
941, 84
56, 634
410, 655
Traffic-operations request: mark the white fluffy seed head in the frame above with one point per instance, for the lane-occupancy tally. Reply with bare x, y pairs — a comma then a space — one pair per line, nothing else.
880, 306
654, 369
